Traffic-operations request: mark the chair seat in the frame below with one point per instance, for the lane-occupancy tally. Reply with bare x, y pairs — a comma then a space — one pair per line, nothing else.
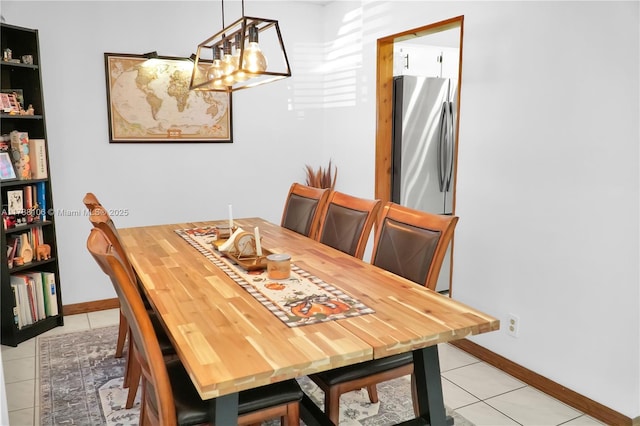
192, 410
364, 369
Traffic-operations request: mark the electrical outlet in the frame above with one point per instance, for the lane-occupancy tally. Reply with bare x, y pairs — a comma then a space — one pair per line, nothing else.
513, 325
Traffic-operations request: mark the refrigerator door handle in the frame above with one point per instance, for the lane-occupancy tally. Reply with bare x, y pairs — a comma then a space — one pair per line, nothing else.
442, 147
450, 145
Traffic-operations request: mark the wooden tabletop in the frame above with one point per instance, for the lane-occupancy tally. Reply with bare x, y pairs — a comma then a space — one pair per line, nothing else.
228, 341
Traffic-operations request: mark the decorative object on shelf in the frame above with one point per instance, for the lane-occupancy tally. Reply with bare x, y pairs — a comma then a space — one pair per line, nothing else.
245, 54
27, 59
26, 252
10, 103
16, 202
18, 94
149, 101
20, 152
322, 178
6, 54
6, 167
43, 252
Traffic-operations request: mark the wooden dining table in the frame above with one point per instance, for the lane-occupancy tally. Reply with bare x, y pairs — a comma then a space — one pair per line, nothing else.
228, 341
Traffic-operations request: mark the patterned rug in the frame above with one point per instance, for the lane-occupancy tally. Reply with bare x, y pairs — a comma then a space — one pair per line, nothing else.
81, 384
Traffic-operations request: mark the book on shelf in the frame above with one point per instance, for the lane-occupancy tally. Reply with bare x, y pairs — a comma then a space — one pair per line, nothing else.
20, 282
16, 317
35, 297
38, 158
41, 197
51, 294
28, 202
39, 300
20, 154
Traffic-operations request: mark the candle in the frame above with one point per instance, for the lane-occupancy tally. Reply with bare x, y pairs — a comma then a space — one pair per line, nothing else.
258, 245
230, 219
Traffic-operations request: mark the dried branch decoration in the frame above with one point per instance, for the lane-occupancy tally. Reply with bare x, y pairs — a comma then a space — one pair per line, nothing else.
322, 178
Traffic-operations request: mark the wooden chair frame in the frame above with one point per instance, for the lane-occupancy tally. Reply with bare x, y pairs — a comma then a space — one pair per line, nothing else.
99, 218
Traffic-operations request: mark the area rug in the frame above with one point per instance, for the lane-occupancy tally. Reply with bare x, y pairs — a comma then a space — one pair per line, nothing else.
81, 384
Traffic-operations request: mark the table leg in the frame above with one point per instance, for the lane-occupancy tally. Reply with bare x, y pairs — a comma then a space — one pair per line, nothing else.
311, 414
426, 367
224, 409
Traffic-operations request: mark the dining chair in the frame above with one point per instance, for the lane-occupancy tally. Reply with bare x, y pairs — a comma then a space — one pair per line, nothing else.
303, 208
168, 395
409, 243
93, 205
347, 222
99, 218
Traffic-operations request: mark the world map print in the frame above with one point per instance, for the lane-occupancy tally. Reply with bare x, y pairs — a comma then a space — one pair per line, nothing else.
150, 100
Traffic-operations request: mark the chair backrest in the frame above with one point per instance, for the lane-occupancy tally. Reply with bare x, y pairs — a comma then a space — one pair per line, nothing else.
412, 243
303, 209
91, 201
158, 406
347, 222
99, 218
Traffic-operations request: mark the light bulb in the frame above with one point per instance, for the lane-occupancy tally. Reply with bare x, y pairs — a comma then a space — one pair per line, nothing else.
227, 65
215, 70
253, 59
240, 75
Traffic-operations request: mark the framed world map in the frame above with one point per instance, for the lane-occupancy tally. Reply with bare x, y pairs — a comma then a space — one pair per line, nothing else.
149, 101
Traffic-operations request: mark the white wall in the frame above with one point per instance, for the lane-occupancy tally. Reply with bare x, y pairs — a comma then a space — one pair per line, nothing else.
548, 185
548, 176
275, 135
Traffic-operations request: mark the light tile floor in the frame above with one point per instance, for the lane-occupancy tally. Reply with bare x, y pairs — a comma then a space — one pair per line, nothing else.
478, 391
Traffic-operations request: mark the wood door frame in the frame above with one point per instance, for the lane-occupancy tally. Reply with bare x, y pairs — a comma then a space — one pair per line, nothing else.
384, 107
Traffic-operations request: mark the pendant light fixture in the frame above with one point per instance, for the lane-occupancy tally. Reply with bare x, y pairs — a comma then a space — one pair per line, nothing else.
247, 53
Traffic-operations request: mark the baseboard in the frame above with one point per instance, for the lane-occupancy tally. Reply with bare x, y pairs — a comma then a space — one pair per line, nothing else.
551, 388
85, 307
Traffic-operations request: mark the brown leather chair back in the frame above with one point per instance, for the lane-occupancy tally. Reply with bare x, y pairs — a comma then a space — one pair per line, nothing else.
303, 209
412, 243
347, 223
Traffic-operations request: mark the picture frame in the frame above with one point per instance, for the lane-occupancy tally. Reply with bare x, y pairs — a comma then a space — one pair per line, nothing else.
7, 172
15, 202
10, 103
19, 97
149, 101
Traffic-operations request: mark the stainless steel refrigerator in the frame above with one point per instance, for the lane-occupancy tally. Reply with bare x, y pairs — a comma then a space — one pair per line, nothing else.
423, 147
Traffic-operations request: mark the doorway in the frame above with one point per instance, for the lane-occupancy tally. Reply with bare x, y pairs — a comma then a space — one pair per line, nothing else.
386, 58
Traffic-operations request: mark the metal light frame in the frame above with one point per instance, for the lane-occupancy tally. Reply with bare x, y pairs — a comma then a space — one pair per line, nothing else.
207, 52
